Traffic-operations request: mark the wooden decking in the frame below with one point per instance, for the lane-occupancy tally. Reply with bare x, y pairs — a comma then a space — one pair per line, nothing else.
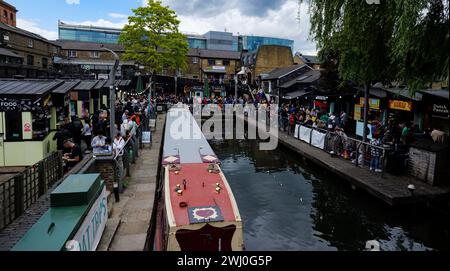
391, 189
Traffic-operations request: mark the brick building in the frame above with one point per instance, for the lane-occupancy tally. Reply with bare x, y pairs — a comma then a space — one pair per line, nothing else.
7, 13
24, 53
312, 61
91, 59
267, 58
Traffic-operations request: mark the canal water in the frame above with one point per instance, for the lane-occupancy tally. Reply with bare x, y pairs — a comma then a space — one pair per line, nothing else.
288, 204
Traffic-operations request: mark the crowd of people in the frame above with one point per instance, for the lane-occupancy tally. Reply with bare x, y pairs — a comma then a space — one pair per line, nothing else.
95, 132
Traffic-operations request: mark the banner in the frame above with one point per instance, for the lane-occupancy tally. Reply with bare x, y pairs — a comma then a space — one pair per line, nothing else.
318, 139
90, 232
305, 134
400, 105
297, 128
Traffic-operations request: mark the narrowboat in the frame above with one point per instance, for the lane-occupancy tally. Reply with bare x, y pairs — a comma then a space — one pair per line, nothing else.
197, 210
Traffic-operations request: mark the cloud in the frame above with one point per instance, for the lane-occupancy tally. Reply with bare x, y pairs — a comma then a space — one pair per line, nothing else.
73, 2
117, 15
273, 18
280, 23
32, 26
101, 23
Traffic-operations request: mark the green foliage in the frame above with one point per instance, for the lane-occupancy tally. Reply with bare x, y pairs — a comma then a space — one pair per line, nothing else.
402, 40
152, 38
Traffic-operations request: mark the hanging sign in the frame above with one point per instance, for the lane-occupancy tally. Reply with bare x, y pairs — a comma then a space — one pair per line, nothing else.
400, 105
373, 103
358, 110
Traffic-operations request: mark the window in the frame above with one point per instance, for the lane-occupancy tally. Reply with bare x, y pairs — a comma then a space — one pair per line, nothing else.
226, 62
95, 54
30, 43
13, 121
211, 62
44, 63
11, 16
5, 14
195, 60
30, 60
72, 53
6, 37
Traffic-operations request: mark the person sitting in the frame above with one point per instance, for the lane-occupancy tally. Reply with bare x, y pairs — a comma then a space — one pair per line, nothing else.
99, 143
73, 157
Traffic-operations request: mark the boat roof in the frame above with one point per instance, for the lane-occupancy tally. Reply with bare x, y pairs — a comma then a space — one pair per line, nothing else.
184, 141
204, 204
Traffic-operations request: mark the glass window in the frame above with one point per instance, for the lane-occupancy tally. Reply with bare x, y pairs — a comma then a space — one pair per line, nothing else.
95, 54
13, 121
195, 60
226, 62
211, 62
30, 43
30, 60
5, 14
44, 62
11, 16
72, 53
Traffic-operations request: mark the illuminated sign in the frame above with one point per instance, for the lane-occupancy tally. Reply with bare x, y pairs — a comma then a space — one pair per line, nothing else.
400, 105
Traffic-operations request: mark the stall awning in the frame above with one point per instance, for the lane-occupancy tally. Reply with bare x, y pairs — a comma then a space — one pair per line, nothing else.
294, 94
66, 87
6, 52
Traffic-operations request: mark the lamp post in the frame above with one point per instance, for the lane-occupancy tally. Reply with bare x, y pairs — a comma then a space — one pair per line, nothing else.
112, 92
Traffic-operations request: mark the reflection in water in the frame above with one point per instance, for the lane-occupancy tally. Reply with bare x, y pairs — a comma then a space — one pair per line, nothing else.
290, 204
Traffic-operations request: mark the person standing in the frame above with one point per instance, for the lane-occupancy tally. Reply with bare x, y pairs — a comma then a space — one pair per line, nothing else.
87, 133
376, 154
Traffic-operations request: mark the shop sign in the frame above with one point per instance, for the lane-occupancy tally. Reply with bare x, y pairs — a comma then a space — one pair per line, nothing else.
90, 232
441, 109
373, 103
321, 98
218, 68
16, 105
358, 109
400, 105
27, 127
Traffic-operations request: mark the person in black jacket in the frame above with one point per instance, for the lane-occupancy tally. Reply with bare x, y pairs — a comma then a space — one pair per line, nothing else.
76, 127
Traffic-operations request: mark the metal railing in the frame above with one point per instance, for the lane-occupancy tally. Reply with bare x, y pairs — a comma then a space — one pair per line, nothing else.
19, 192
359, 153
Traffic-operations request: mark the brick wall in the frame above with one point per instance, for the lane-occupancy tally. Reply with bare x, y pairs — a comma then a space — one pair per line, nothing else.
86, 55
272, 57
107, 170
430, 167
8, 11
40, 49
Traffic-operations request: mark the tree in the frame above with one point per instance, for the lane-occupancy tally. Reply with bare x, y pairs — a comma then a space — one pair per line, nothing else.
151, 38
384, 42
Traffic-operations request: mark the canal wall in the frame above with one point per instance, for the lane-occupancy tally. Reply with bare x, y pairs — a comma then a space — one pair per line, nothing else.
390, 189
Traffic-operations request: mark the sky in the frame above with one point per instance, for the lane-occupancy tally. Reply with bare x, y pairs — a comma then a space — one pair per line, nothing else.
273, 18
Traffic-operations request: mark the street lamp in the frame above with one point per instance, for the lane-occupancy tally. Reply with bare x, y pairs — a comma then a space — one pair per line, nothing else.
112, 92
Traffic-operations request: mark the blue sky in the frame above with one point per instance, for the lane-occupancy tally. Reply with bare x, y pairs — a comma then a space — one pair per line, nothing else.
275, 18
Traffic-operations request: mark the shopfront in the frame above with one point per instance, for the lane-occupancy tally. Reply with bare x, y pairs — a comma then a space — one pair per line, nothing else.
404, 106
26, 135
435, 108
376, 113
